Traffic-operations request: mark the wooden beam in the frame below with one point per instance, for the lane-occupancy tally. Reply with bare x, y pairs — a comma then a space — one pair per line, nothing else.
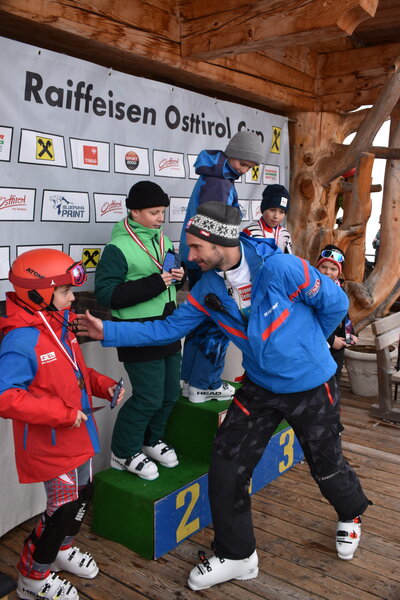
338, 162
100, 38
273, 25
371, 60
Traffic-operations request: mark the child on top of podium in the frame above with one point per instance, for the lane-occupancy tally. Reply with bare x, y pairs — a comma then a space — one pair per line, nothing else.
46, 388
135, 282
330, 263
274, 207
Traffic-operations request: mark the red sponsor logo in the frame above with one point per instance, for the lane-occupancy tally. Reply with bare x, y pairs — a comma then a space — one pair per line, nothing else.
113, 206
90, 155
12, 201
131, 160
205, 233
169, 163
245, 293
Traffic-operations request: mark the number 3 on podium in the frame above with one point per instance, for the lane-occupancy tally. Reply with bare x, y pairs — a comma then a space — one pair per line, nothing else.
287, 440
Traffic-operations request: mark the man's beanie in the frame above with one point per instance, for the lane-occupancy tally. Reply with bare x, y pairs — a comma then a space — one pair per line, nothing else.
246, 145
145, 194
275, 196
217, 223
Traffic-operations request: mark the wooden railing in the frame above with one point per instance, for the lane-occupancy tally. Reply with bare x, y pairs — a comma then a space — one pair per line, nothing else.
387, 333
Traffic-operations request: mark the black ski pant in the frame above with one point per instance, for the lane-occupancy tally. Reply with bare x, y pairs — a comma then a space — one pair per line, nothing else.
239, 444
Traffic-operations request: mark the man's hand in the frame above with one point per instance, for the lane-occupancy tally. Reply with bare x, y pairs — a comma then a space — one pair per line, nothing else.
90, 326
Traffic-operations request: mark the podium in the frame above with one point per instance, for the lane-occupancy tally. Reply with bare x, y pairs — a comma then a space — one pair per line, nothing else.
153, 517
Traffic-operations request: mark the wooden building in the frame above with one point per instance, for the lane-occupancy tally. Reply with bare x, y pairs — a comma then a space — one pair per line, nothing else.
316, 61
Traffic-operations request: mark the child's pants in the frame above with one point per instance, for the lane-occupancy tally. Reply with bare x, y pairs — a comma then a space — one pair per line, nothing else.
67, 498
143, 417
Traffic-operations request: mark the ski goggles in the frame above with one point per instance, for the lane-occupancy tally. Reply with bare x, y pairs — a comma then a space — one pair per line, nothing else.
333, 254
74, 275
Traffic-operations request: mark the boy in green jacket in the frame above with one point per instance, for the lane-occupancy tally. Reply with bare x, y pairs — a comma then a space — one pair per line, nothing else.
131, 281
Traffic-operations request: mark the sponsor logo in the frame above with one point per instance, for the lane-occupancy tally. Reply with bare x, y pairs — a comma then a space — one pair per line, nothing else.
65, 208
131, 160
44, 148
255, 172
273, 307
315, 289
90, 155
276, 140
205, 233
34, 273
47, 358
113, 206
12, 201
169, 163
284, 202
91, 257
245, 293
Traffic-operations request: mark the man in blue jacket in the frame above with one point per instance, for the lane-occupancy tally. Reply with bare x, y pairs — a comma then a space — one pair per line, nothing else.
279, 311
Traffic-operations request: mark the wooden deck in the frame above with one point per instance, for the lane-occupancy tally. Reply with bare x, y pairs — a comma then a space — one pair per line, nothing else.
295, 536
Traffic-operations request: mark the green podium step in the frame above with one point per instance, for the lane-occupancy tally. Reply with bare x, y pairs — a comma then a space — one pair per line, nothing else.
152, 517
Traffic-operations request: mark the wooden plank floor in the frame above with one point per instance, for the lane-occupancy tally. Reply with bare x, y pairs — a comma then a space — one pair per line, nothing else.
295, 536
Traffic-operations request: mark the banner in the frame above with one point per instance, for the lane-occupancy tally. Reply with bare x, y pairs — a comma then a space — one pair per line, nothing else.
74, 138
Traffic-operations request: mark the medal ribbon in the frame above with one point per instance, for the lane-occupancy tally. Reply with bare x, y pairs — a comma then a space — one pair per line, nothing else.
274, 230
140, 243
72, 360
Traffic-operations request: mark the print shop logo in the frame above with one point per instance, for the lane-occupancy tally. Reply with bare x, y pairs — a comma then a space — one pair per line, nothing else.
80, 97
13, 201
65, 208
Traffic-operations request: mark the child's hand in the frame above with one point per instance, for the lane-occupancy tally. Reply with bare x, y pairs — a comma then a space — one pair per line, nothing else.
79, 418
178, 274
121, 393
354, 339
167, 278
339, 343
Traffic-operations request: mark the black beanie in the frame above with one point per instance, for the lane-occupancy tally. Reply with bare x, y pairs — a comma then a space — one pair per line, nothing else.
217, 223
275, 196
145, 194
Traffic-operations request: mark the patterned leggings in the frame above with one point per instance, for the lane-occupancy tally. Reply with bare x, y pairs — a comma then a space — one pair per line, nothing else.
59, 490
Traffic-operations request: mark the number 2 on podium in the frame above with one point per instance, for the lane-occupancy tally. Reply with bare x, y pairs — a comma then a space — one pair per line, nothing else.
185, 527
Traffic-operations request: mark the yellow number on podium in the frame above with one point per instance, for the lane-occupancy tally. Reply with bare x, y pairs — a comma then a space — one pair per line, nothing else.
287, 440
186, 528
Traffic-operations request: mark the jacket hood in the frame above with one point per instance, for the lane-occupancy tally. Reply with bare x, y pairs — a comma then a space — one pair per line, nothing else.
264, 247
19, 316
214, 163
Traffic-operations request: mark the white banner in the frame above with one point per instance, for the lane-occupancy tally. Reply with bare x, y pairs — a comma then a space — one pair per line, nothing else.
102, 131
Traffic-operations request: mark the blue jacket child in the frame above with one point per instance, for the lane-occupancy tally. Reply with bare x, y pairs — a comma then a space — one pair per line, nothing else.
204, 352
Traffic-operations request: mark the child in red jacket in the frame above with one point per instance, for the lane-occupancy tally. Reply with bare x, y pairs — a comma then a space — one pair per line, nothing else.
46, 388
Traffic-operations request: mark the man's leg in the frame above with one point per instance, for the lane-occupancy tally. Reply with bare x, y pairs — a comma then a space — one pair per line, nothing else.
316, 422
317, 426
238, 446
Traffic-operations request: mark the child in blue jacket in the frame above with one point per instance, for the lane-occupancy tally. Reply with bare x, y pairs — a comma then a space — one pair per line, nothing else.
205, 348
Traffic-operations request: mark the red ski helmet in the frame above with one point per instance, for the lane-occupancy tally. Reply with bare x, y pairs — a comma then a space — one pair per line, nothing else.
35, 274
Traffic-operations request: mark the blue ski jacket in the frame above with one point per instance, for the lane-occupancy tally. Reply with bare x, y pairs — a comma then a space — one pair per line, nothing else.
294, 308
216, 183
